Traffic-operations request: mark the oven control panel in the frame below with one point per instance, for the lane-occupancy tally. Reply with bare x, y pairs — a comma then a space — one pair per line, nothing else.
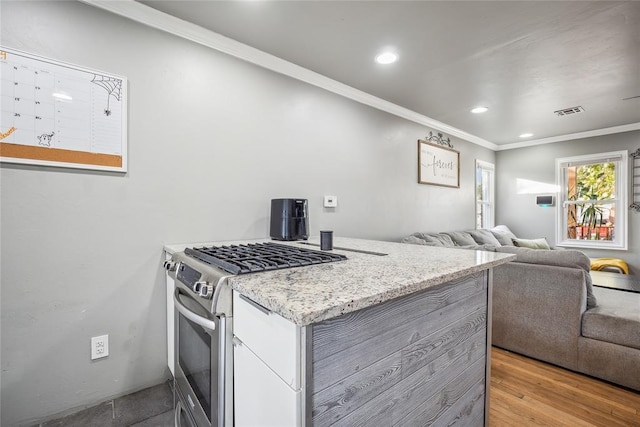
192, 279
187, 275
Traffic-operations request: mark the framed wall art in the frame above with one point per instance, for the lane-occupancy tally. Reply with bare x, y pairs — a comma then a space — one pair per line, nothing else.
438, 165
635, 168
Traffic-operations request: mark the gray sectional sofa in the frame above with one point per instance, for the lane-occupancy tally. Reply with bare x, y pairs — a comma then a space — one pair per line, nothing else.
545, 307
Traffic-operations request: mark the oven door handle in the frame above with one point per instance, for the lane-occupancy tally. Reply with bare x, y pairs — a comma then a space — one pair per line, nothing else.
195, 318
176, 415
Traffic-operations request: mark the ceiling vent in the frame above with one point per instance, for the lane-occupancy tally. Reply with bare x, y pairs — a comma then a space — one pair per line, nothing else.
569, 111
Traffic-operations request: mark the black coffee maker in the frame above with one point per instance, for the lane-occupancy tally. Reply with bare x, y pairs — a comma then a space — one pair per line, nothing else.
289, 219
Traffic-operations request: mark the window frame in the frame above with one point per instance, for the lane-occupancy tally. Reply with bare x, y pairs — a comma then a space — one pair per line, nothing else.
489, 205
620, 200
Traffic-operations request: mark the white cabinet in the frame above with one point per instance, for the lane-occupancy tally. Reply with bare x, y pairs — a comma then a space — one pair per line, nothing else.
170, 319
268, 375
271, 337
261, 397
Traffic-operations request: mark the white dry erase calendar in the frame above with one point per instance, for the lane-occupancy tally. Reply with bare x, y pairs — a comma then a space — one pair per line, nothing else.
57, 114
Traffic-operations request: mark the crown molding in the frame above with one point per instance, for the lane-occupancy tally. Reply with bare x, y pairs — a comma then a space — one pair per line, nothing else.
587, 134
153, 18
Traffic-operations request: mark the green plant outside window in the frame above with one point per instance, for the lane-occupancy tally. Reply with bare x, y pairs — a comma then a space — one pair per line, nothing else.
593, 190
592, 209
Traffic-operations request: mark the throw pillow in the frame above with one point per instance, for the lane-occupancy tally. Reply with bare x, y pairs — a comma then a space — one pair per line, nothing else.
540, 243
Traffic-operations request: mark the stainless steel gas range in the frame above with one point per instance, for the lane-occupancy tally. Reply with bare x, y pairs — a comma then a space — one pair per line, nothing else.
203, 331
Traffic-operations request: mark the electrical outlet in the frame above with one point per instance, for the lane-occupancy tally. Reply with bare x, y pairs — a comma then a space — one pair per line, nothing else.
99, 347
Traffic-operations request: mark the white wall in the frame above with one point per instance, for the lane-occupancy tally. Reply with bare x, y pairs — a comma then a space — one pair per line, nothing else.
211, 140
526, 219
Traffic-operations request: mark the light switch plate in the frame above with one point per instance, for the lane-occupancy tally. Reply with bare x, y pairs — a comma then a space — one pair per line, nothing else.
330, 201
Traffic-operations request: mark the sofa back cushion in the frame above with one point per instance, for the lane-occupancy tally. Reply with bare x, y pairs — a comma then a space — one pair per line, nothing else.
568, 259
417, 241
430, 239
503, 235
484, 237
461, 238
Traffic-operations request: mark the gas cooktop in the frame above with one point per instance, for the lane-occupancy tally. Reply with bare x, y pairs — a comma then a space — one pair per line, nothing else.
254, 257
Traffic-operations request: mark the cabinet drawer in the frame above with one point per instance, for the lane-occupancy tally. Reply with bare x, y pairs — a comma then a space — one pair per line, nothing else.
261, 398
271, 337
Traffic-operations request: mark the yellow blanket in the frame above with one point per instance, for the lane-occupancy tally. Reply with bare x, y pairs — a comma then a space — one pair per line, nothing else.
601, 263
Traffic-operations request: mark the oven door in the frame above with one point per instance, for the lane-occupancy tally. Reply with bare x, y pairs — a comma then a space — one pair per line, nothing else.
199, 360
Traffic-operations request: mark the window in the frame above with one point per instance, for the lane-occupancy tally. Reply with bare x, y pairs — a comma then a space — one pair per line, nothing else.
592, 210
485, 189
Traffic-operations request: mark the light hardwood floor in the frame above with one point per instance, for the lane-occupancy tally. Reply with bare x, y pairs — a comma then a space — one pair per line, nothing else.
526, 392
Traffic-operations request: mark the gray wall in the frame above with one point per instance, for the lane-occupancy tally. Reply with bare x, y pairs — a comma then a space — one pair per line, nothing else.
519, 211
211, 140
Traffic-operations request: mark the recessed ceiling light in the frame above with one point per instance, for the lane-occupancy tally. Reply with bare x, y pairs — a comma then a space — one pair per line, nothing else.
386, 58
526, 135
479, 110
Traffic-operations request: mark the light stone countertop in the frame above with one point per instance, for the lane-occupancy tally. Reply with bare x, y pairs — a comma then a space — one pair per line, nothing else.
307, 295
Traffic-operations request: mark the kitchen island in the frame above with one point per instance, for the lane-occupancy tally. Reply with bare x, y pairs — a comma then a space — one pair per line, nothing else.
396, 334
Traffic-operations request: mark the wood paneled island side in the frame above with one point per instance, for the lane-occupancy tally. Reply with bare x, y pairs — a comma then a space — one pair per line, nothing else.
395, 339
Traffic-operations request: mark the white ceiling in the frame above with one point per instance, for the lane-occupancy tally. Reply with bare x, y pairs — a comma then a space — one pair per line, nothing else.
521, 59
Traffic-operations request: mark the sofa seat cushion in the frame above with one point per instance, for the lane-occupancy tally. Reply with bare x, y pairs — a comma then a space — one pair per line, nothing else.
616, 319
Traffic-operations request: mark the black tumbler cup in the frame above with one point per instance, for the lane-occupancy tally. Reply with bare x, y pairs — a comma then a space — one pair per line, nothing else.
326, 240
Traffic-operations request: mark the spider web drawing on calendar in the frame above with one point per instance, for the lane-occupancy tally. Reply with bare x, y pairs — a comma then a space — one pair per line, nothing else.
112, 86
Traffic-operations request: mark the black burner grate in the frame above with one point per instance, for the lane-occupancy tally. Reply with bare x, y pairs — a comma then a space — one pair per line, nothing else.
254, 257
